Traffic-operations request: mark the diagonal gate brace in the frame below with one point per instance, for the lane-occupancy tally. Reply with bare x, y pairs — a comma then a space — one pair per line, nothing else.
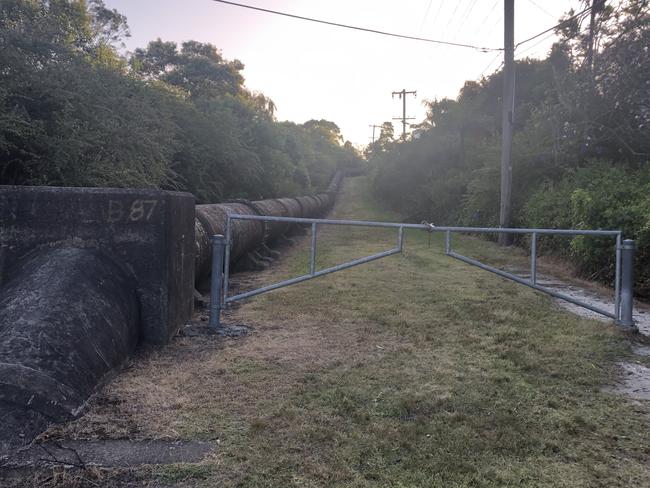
624, 261
221, 258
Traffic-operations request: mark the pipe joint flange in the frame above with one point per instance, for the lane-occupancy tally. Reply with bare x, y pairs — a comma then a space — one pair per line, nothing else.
257, 211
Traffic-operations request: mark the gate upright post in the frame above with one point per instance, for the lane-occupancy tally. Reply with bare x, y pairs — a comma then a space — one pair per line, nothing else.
627, 284
533, 259
216, 282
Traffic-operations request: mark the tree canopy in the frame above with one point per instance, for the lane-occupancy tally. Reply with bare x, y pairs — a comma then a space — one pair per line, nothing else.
75, 112
581, 147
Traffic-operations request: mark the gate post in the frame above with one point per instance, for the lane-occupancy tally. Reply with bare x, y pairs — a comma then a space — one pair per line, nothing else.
216, 282
626, 318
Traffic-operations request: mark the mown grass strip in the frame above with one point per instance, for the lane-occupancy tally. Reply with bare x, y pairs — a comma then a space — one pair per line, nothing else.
466, 379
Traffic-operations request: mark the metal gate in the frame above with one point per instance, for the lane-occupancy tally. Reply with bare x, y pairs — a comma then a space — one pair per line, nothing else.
623, 281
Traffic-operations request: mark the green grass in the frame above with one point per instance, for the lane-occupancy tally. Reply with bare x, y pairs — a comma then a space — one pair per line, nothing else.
413, 371
176, 473
464, 379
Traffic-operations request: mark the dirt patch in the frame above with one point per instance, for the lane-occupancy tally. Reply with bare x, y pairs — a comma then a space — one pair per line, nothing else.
234, 375
635, 382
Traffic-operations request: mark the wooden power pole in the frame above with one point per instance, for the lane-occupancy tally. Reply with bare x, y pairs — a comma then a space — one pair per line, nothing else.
508, 101
402, 94
373, 131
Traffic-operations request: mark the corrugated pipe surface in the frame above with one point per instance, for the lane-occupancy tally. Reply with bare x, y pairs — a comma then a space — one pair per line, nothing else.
247, 235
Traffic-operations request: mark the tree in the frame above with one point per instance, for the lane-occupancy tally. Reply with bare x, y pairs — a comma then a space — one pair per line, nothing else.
197, 68
328, 129
580, 151
74, 112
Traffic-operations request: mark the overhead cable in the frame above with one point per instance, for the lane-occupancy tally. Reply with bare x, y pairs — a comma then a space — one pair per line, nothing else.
541, 8
490, 64
534, 45
363, 29
565, 21
424, 19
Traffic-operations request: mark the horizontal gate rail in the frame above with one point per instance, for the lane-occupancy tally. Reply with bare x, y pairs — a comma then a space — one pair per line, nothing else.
624, 319
313, 273
624, 259
428, 227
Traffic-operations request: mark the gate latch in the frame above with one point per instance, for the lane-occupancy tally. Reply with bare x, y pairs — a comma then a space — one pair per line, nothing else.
429, 230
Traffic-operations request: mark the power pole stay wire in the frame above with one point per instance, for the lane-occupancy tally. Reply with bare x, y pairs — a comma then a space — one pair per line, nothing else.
363, 29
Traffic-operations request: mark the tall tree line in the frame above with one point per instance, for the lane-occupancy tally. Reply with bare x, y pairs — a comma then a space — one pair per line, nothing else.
74, 112
581, 149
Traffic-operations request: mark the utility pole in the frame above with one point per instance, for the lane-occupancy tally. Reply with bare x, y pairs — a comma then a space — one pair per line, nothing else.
373, 131
402, 94
508, 118
597, 7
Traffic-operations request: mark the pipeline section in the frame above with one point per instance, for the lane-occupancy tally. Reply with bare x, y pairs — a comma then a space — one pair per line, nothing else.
249, 236
70, 317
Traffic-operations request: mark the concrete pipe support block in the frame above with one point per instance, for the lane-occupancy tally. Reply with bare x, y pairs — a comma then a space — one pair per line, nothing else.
69, 319
148, 232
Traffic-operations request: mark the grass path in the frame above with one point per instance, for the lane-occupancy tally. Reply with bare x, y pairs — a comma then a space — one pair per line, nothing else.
412, 371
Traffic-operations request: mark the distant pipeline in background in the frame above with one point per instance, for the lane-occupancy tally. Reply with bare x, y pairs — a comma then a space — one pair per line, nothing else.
250, 238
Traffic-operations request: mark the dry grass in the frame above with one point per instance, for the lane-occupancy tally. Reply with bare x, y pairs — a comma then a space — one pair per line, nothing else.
412, 371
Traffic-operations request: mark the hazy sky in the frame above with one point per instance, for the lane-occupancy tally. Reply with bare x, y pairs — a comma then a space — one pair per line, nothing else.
314, 71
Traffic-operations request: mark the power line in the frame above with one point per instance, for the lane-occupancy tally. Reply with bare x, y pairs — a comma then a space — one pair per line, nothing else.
494, 26
363, 29
435, 17
424, 19
466, 13
453, 14
542, 9
534, 45
550, 33
565, 21
490, 64
484, 23
490, 12
463, 17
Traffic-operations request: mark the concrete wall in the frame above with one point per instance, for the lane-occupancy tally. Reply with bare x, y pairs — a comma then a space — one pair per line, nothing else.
88, 273
148, 232
68, 320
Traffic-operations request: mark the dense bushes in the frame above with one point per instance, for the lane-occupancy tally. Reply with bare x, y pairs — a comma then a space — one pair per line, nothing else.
73, 112
597, 196
580, 151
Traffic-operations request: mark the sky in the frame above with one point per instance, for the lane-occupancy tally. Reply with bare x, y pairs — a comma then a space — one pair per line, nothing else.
314, 71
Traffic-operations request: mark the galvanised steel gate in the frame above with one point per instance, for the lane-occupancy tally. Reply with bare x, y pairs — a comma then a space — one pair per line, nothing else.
623, 281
